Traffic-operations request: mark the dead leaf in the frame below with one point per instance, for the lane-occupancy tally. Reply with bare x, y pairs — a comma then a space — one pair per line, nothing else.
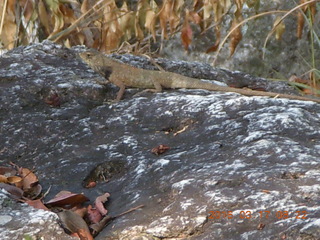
300, 24
215, 46
93, 215
99, 203
14, 180
236, 37
37, 204
160, 149
151, 17
75, 224
15, 192
29, 179
17, 181
7, 171
81, 211
67, 199
186, 32
3, 179
33, 192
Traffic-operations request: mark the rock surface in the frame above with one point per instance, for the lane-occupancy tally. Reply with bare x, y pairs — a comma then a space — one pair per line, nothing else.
253, 158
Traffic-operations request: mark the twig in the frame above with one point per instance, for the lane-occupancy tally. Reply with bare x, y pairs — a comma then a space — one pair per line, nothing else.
128, 211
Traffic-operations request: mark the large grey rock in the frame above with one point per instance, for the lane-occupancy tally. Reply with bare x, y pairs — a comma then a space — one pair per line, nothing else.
227, 152
20, 221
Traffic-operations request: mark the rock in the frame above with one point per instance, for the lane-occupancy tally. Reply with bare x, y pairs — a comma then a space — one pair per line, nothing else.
237, 168
20, 221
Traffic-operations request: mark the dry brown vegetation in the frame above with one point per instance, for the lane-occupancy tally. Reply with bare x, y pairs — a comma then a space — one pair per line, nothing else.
109, 25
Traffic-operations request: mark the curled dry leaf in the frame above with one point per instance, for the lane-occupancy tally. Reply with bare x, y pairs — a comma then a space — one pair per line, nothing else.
29, 178
33, 192
99, 203
67, 199
14, 180
160, 149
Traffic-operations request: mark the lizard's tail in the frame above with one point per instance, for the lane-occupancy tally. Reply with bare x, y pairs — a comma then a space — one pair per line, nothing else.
247, 92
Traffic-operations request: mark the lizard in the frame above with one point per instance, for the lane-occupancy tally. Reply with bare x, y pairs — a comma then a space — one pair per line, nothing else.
124, 75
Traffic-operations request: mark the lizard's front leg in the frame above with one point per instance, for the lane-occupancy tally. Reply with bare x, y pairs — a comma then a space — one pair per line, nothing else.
120, 93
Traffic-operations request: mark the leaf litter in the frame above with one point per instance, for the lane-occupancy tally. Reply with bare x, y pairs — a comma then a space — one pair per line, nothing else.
84, 222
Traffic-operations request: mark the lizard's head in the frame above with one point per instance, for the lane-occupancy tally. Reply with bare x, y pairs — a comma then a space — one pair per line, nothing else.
87, 56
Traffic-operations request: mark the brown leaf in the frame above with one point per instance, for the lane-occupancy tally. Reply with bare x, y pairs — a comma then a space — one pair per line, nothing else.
99, 203
17, 181
7, 171
74, 224
15, 192
66, 199
3, 179
186, 32
84, 235
236, 37
8, 32
28, 8
300, 24
81, 211
160, 149
151, 16
37, 204
215, 46
33, 192
29, 179
195, 17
